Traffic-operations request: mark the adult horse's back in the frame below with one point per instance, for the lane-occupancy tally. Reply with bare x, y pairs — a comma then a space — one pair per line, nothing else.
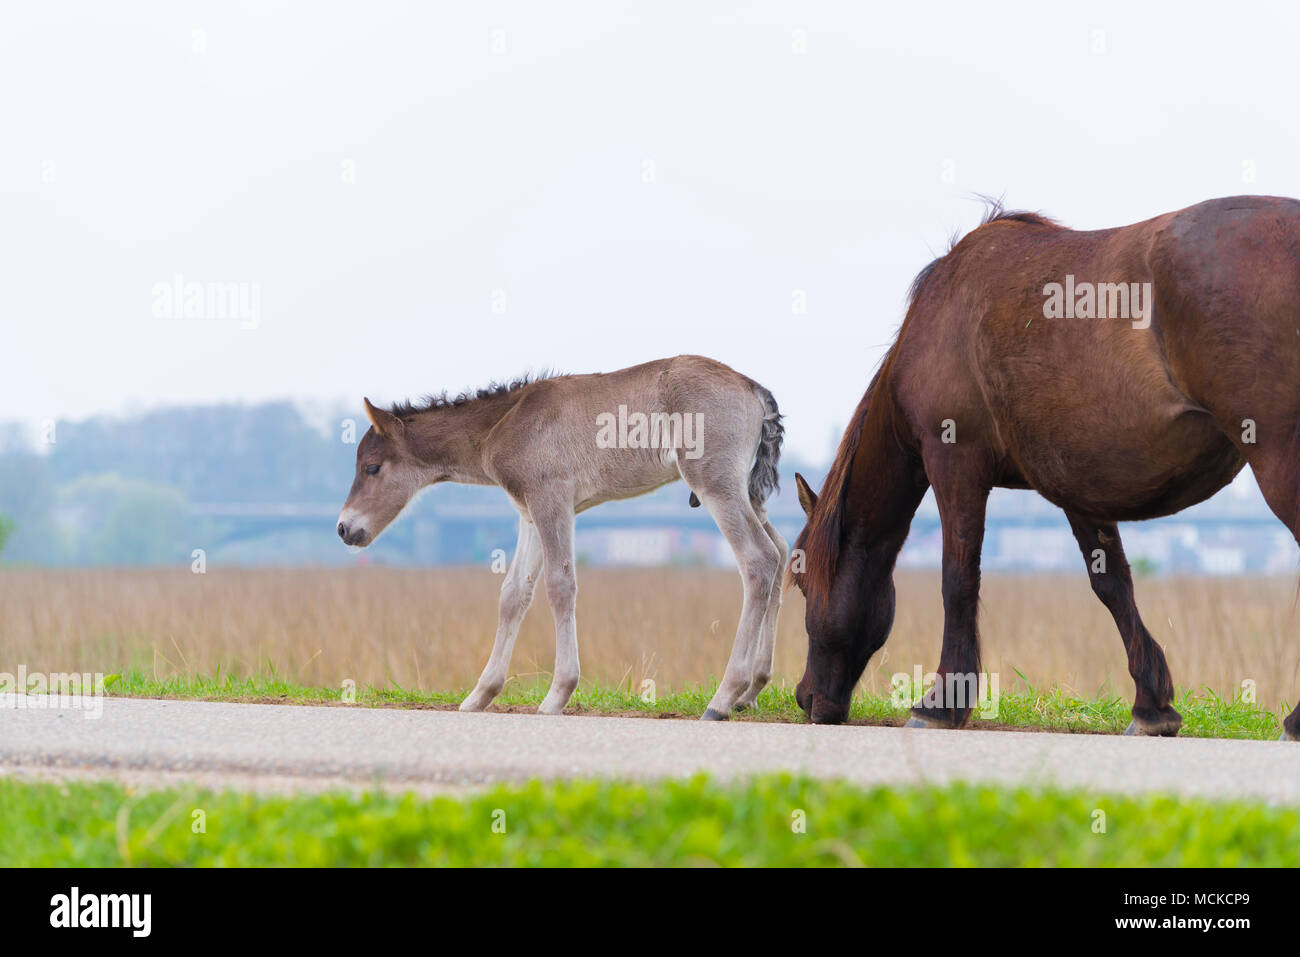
1122, 373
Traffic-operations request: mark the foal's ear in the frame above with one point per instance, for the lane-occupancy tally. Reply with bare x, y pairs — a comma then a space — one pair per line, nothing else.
385, 423
807, 497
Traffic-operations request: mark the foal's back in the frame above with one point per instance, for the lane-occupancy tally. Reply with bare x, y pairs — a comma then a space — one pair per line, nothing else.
558, 431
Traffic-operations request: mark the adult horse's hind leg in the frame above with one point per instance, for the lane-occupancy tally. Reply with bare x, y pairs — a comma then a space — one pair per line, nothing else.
765, 653
760, 568
962, 501
516, 596
1276, 464
1112, 582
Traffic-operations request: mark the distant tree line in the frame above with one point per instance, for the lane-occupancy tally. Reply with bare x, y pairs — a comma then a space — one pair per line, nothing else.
118, 490
131, 491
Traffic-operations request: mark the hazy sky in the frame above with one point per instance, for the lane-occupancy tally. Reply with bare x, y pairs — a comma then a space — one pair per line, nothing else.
431, 195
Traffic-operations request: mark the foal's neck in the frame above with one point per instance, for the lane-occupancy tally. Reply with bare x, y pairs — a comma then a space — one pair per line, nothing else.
449, 439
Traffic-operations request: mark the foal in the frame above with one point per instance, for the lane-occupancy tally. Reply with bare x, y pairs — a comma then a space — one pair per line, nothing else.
560, 445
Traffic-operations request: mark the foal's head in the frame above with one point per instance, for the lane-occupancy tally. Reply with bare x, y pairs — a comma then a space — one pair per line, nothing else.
388, 476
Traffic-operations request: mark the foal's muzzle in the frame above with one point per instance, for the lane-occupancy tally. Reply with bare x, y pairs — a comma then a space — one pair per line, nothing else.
352, 536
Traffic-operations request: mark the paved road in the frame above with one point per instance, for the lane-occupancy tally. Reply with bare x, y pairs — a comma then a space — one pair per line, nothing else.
291, 747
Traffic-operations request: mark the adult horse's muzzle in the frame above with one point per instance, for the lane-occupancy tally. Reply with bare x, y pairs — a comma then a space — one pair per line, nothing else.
825, 711
819, 708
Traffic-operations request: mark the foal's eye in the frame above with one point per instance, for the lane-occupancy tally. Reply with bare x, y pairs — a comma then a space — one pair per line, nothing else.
372, 469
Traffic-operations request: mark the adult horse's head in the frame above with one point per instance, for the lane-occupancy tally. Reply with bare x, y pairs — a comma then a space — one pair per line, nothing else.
826, 688
843, 560
388, 475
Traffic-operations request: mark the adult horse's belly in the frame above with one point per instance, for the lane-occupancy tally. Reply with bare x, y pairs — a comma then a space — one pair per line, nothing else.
1140, 463
1087, 413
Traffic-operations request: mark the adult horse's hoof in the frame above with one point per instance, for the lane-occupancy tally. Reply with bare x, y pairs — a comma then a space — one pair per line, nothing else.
711, 715
1136, 730
929, 719
1155, 724
915, 722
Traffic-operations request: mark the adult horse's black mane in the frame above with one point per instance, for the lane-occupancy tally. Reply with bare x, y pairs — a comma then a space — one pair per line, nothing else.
993, 212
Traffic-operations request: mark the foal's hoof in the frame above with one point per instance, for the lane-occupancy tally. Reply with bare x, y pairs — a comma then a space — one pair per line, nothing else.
711, 715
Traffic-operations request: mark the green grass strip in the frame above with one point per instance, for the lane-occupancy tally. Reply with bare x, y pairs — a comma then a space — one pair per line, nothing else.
1205, 714
767, 821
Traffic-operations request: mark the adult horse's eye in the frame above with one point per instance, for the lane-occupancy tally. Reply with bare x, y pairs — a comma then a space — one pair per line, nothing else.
372, 469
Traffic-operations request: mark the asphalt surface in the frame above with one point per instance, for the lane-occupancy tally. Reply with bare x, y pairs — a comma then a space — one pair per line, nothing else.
291, 747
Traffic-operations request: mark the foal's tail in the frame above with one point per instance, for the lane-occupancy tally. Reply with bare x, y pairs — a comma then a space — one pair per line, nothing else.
763, 478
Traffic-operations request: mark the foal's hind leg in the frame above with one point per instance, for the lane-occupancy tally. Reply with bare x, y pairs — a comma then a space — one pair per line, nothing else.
760, 566
765, 653
554, 520
1112, 582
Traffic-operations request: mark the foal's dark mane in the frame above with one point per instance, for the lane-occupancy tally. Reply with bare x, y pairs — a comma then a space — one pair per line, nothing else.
822, 536
428, 403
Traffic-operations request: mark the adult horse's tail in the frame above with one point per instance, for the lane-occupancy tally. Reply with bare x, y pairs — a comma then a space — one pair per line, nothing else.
763, 478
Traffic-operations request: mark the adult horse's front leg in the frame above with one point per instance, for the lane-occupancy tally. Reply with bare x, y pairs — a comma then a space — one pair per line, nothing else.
554, 521
516, 596
956, 688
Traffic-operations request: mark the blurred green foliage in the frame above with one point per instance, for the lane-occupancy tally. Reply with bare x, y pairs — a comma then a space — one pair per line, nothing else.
766, 821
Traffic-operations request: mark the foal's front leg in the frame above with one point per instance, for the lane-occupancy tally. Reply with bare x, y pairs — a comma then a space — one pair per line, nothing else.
516, 596
554, 523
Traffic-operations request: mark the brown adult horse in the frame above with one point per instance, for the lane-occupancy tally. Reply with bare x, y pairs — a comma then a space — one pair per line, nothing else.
1113, 419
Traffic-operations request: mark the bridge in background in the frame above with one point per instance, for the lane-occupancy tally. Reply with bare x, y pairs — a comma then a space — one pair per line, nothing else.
1023, 530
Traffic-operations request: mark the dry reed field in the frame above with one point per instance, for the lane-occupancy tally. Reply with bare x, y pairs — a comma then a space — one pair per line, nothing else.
432, 628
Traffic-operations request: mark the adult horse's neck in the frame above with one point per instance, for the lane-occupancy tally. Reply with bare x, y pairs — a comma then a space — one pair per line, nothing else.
871, 494
885, 484
850, 545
